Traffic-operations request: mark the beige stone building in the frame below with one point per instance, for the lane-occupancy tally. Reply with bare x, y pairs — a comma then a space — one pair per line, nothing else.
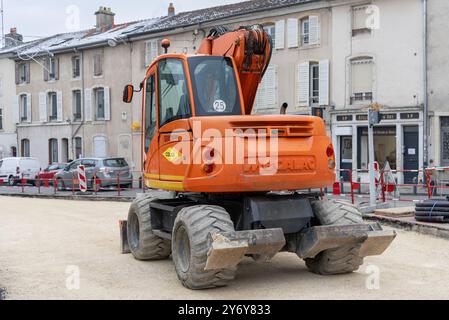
331, 58
438, 82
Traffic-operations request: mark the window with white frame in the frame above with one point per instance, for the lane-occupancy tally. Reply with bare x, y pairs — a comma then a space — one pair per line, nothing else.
76, 67
360, 18
99, 103
310, 31
1, 118
313, 83
25, 147
23, 105
53, 151
98, 64
76, 100
78, 142
52, 107
52, 69
267, 93
22, 73
151, 51
362, 80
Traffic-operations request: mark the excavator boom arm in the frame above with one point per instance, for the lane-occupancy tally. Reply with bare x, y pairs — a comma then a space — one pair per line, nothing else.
250, 47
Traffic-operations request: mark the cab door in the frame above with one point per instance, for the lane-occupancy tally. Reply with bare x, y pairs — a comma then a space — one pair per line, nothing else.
174, 110
150, 124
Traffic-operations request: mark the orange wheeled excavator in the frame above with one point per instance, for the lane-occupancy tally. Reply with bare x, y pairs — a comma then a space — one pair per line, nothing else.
233, 179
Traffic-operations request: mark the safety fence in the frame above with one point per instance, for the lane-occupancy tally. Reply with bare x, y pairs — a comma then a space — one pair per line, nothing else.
118, 182
354, 184
427, 183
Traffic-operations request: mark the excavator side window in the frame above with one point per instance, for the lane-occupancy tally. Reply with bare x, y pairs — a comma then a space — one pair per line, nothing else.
174, 100
150, 112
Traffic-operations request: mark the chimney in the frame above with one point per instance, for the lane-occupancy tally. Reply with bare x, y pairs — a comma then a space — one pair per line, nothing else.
171, 10
13, 38
105, 19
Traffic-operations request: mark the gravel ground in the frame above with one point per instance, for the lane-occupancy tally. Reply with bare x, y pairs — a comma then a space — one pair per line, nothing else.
44, 243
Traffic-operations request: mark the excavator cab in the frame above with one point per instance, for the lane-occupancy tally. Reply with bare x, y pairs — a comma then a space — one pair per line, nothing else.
234, 178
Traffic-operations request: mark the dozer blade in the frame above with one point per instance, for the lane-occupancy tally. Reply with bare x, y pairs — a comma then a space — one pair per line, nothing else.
373, 240
228, 249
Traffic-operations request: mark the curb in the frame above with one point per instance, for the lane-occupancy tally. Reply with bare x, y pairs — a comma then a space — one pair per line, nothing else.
426, 229
69, 197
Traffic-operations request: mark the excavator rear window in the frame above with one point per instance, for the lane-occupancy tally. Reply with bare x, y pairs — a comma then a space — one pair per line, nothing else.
214, 86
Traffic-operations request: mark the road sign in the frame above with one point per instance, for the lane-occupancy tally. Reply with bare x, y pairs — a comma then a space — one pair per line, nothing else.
82, 178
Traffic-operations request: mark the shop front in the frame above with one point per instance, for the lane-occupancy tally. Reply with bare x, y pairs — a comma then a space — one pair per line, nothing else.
398, 144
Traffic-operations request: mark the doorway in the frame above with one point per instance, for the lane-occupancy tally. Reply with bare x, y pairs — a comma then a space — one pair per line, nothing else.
444, 141
345, 157
411, 154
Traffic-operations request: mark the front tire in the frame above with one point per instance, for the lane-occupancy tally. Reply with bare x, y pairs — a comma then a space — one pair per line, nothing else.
190, 246
144, 244
340, 260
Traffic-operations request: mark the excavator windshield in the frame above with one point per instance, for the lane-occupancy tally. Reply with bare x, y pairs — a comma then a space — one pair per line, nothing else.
214, 86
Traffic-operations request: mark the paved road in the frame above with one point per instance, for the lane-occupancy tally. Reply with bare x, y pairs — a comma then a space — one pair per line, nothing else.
41, 239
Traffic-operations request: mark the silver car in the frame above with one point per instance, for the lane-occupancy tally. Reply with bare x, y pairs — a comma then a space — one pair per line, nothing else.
108, 172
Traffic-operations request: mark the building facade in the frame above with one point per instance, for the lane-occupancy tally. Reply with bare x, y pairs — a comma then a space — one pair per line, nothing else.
378, 60
438, 82
8, 136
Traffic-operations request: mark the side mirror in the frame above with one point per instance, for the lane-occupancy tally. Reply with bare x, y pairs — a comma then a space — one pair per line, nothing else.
128, 93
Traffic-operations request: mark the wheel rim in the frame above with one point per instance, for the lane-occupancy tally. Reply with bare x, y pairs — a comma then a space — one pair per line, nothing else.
11, 181
134, 234
183, 249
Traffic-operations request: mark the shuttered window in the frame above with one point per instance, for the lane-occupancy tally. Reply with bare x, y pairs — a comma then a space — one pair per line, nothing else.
102, 104
292, 33
313, 83
52, 106
362, 79
1, 118
22, 73
24, 106
359, 19
280, 34
267, 93
76, 67
151, 51
98, 64
76, 105
310, 31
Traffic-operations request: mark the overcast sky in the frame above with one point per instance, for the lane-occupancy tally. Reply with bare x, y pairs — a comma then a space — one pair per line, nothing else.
47, 17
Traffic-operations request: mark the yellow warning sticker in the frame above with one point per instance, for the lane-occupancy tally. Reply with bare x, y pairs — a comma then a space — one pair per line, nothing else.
173, 155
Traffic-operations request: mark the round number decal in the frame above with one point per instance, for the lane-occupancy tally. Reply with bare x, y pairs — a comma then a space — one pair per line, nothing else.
220, 106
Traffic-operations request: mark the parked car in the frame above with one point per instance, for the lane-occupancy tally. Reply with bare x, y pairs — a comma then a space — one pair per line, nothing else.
105, 170
13, 170
49, 173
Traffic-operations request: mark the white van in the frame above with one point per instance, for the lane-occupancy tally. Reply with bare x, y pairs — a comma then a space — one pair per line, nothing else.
12, 170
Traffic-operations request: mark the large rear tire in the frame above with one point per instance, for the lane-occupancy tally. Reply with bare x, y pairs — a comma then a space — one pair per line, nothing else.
143, 243
190, 246
340, 260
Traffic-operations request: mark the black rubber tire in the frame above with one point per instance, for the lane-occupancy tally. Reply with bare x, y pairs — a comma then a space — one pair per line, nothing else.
190, 246
427, 209
340, 260
143, 243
